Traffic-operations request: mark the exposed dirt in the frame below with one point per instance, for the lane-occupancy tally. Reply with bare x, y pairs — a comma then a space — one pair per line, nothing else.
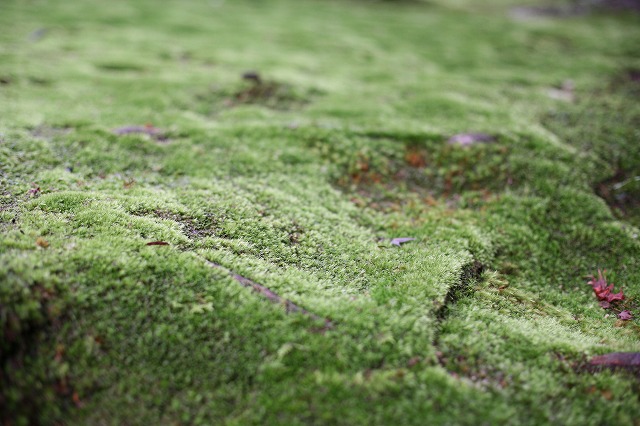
481, 374
192, 227
428, 175
269, 93
628, 81
256, 90
48, 132
622, 193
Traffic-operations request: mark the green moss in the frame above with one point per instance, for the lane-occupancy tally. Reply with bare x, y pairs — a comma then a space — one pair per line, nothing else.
298, 184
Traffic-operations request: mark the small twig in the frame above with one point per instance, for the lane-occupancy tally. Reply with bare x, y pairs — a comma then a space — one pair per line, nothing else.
265, 292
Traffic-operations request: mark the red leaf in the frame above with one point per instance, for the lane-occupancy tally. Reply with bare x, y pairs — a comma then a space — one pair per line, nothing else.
158, 243
625, 315
603, 293
615, 296
76, 400
603, 290
598, 284
605, 305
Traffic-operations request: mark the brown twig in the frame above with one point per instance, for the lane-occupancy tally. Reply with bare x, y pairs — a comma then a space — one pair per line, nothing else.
265, 292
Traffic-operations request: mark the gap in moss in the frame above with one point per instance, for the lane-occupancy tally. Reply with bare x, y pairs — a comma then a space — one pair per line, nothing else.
622, 194
193, 227
49, 132
388, 174
254, 90
476, 370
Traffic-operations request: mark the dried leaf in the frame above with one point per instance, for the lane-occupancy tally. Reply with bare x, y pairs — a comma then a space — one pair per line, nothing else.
607, 394
158, 243
399, 241
615, 296
76, 400
625, 315
603, 290
415, 158
41, 242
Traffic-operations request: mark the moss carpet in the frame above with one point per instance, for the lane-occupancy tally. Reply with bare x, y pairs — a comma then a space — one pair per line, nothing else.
270, 151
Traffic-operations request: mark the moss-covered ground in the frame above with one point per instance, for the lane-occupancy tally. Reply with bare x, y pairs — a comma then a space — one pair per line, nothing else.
296, 177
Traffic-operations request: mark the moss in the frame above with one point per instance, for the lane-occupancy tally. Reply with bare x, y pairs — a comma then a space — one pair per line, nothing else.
298, 182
